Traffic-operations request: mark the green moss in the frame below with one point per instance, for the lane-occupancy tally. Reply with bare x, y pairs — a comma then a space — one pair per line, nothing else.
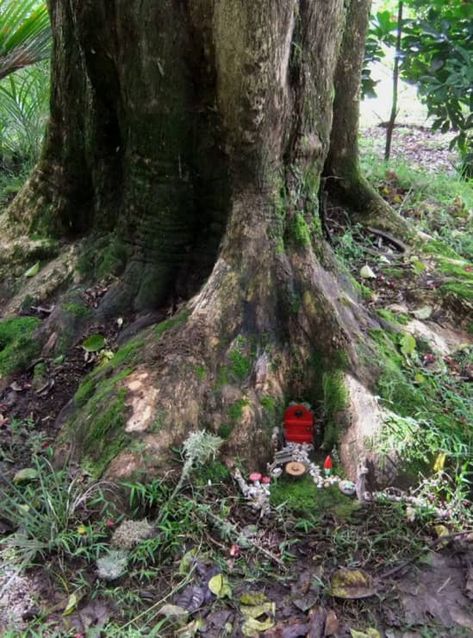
200, 372
105, 437
462, 284
240, 364
235, 411
388, 315
302, 497
126, 354
18, 348
77, 309
84, 392
225, 430
437, 247
457, 268
300, 230
166, 325
335, 399
393, 272
269, 403
460, 290
103, 256
215, 472
364, 292
98, 426
113, 258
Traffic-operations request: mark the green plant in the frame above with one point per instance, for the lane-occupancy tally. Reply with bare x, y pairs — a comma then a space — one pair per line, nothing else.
25, 34
24, 106
435, 53
49, 513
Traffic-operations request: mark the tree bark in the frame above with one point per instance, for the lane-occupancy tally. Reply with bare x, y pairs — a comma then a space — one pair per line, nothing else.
196, 132
343, 177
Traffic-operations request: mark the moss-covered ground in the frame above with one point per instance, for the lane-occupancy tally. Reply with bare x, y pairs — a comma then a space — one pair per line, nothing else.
18, 346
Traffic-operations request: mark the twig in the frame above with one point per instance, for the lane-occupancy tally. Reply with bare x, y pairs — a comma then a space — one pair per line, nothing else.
388, 237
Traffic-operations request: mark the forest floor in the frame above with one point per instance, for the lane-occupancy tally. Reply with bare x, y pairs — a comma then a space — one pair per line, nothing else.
204, 562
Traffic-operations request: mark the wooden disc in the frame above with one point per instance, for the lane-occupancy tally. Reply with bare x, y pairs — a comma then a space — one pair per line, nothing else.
294, 468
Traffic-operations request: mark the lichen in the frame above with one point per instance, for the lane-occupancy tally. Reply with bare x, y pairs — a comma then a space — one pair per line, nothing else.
129, 533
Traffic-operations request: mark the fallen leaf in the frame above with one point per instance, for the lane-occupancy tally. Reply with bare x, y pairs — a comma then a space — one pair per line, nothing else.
367, 273
408, 344
306, 602
190, 630
187, 562
220, 586
256, 611
82, 530
441, 530
34, 270
94, 343
440, 462
192, 598
253, 598
332, 624
368, 633
71, 604
351, 584
91, 618
253, 627
25, 475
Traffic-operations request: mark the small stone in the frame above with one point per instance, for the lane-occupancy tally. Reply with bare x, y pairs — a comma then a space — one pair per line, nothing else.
347, 487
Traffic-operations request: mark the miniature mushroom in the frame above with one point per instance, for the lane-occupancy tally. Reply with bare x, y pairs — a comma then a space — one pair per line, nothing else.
265, 480
255, 477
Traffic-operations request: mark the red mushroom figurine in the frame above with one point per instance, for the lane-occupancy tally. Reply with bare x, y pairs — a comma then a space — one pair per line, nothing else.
266, 480
328, 465
255, 477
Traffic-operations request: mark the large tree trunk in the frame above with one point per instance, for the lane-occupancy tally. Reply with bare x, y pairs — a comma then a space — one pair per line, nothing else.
343, 178
198, 130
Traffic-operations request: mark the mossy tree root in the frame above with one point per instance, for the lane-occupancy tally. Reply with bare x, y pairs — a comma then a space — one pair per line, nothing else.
266, 328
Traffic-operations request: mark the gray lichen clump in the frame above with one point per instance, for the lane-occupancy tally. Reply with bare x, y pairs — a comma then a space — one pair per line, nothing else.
130, 533
113, 565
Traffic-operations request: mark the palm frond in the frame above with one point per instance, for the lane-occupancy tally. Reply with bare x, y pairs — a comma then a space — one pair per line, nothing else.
25, 34
24, 102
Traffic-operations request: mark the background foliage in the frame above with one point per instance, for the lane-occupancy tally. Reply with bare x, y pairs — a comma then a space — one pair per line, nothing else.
437, 55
